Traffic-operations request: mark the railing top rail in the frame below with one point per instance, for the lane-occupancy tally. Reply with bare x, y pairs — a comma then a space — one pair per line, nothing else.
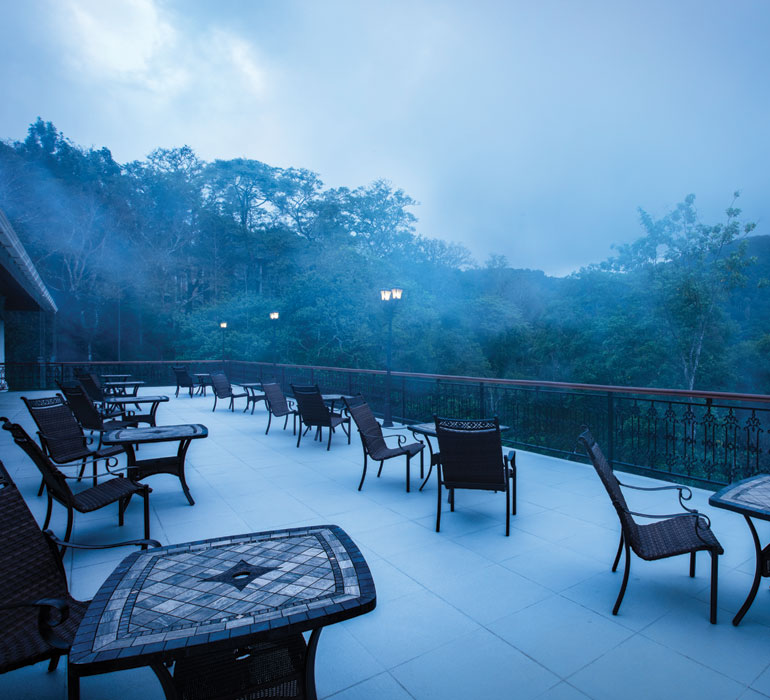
531, 383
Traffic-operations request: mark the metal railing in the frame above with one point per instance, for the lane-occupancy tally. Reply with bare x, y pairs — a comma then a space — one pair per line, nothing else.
707, 438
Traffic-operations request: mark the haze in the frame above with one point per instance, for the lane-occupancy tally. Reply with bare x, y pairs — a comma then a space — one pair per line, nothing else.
530, 130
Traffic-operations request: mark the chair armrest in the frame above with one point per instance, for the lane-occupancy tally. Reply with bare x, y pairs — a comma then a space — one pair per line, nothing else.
108, 545
401, 438
52, 612
685, 493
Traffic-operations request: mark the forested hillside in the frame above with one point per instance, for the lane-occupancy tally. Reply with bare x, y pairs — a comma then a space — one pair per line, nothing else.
146, 258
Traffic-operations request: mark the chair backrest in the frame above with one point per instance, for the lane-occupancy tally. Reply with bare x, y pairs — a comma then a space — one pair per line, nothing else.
92, 386
54, 480
310, 404
610, 481
183, 377
471, 453
221, 385
368, 427
82, 406
276, 399
60, 431
30, 569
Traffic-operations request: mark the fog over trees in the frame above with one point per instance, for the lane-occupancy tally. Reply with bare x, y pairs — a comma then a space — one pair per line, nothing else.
146, 258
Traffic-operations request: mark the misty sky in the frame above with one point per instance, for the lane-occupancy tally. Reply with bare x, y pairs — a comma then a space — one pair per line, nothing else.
528, 129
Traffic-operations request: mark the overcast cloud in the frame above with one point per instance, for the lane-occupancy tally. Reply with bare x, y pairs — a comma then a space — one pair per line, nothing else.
528, 129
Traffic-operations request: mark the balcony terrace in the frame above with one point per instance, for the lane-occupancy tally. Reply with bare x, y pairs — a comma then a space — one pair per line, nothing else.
464, 613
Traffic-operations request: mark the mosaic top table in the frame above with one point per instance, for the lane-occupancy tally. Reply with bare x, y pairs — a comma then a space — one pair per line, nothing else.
204, 380
751, 498
138, 469
226, 611
122, 388
253, 395
123, 401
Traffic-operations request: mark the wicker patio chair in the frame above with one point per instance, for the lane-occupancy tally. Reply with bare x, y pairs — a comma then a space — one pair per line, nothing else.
116, 490
38, 616
88, 415
184, 380
93, 389
65, 442
278, 405
682, 533
223, 390
314, 413
373, 439
472, 458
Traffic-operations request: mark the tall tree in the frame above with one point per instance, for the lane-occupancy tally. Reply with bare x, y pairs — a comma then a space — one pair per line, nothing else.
691, 268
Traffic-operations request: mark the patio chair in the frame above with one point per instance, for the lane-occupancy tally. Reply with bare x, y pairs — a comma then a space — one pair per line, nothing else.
373, 439
683, 533
89, 416
223, 390
278, 405
38, 616
472, 458
314, 413
93, 388
64, 441
116, 490
184, 380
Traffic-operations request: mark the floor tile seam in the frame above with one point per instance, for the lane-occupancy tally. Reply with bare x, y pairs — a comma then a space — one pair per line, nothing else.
365, 680
641, 633
611, 617
507, 642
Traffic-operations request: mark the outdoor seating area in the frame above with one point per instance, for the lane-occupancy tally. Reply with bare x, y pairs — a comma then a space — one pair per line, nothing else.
476, 613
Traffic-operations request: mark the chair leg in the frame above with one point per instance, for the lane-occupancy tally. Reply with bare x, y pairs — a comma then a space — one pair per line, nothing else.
625, 581
53, 663
452, 500
513, 485
714, 581
329, 443
299, 436
379, 471
68, 532
692, 564
42, 487
408, 458
507, 509
269, 419
215, 404
617, 556
48, 511
177, 391
438, 506
146, 498
363, 475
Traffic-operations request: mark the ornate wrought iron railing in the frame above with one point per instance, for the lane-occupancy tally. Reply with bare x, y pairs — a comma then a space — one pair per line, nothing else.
707, 438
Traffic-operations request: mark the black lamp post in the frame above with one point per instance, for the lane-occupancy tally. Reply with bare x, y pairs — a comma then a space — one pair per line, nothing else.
274, 315
223, 326
389, 297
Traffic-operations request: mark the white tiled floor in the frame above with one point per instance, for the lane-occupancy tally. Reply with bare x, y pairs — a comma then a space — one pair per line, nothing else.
465, 613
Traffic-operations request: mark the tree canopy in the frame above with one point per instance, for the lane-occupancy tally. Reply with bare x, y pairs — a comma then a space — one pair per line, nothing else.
146, 258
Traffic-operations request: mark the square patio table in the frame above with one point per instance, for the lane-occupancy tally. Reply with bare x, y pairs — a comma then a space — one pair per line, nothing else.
155, 401
214, 608
122, 388
253, 395
139, 469
751, 498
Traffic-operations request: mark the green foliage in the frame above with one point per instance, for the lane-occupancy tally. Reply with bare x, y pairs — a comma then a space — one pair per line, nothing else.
145, 259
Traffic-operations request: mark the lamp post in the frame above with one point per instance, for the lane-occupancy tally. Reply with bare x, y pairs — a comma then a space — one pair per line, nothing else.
223, 326
389, 297
274, 315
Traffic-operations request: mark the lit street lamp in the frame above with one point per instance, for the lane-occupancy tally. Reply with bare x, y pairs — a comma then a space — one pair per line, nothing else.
389, 298
274, 315
223, 326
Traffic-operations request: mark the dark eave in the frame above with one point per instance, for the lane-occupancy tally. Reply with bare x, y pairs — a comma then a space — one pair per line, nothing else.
20, 283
